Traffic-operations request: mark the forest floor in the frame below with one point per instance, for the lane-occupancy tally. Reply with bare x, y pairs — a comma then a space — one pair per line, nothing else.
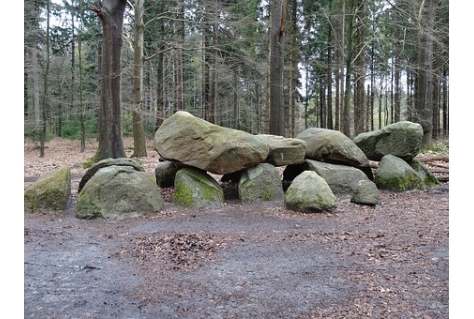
237, 261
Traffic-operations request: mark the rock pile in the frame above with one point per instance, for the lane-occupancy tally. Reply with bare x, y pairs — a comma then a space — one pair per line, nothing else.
319, 164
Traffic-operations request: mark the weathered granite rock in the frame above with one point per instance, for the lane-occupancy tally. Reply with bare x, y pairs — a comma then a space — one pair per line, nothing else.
260, 183
332, 146
195, 188
115, 192
108, 162
366, 193
50, 193
341, 179
425, 174
402, 139
309, 193
396, 174
189, 140
283, 151
165, 173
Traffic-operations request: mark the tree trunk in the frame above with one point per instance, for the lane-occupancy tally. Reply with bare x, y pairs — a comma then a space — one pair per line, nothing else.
372, 81
277, 32
322, 102
337, 99
81, 107
110, 126
59, 122
213, 80
206, 90
45, 84
359, 67
73, 68
436, 89
25, 84
36, 86
445, 101
397, 61
424, 88
294, 53
410, 98
139, 142
397, 89
346, 113
329, 79
160, 104
179, 57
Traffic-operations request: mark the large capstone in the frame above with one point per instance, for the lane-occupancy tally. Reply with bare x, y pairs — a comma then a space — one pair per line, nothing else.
402, 139
283, 150
189, 140
332, 146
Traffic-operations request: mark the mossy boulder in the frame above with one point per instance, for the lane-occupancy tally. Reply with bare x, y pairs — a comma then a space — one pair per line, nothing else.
396, 174
194, 188
402, 139
283, 150
425, 174
191, 141
260, 183
109, 162
50, 193
309, 193
116, 192
341, 179
332, 146
366, 193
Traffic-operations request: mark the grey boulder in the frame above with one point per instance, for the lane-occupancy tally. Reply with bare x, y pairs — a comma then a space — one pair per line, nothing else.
332, 146
341, 179
108, 162
165, 173
424, 173
402, 139
192, 141
260, 183
50, 193
366, 193
194, 188
115, 192
283, 150
309, 193
396, 174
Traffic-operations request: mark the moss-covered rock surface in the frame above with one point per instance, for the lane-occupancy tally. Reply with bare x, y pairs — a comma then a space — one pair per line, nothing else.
309, 193
115, 192
260, 183
395, 174
197, 189
49, 193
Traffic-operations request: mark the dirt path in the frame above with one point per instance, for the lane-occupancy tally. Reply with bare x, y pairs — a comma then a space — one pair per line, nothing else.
243, 261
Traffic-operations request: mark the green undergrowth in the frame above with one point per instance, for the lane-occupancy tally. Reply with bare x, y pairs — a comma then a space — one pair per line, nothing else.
436, 146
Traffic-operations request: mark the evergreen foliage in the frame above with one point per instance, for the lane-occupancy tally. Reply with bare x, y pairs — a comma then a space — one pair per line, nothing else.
211, 58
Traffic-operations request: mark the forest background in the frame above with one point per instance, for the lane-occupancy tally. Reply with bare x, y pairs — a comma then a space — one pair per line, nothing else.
273, 67
238, 76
